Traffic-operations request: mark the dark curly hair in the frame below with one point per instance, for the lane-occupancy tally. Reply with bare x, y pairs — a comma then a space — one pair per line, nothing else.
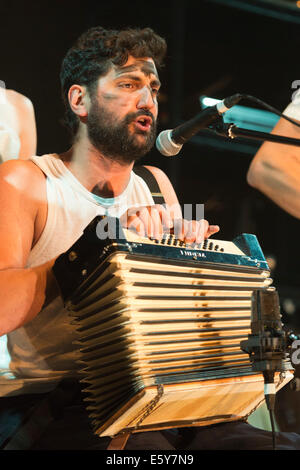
96, 51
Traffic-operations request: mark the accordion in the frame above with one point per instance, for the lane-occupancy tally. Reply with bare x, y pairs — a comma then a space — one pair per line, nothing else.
159, 327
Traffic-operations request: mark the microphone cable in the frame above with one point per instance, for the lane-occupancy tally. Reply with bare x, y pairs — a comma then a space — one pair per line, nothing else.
270, 401
269, 108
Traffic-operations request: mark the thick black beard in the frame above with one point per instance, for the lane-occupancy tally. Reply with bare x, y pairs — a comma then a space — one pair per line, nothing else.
113, 139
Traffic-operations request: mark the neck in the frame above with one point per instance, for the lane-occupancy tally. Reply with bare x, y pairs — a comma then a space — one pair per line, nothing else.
97, 173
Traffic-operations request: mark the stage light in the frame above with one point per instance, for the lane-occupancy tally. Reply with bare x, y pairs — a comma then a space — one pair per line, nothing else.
244, 117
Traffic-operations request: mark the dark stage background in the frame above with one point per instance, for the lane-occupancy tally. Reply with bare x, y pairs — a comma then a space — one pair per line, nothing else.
215, 49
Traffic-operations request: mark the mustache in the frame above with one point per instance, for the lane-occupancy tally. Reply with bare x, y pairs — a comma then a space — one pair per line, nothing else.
143, 112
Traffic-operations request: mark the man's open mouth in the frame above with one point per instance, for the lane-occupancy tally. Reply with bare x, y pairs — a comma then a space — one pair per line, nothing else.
143, 123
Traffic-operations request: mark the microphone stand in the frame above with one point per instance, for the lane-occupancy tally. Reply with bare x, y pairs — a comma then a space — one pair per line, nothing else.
268, 345
232, 131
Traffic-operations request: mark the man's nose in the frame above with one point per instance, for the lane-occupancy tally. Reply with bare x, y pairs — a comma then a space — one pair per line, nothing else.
146, 99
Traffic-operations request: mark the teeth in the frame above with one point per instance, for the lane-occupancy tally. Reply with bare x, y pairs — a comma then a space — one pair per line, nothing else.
144, 122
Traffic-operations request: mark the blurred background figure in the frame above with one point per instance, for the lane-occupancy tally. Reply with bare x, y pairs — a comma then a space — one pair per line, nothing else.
17, 126
18, 139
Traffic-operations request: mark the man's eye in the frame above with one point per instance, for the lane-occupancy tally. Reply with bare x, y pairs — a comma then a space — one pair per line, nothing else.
126, 85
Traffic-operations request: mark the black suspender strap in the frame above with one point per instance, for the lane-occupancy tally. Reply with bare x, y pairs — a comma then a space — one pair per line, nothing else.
151, 182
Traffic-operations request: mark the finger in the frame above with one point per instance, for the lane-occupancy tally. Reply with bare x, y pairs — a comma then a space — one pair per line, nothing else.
146, 220
156, 220
165, 216
202, 228
178, 230
211, 230
128, 216
191, 229
188, 231
131, 220
144, 216
135, 224
194, 231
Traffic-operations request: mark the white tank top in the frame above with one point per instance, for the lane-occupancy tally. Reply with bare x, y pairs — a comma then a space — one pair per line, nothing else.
42, 351
293, 109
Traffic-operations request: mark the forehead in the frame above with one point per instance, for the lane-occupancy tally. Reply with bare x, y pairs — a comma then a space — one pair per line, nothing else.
144, 65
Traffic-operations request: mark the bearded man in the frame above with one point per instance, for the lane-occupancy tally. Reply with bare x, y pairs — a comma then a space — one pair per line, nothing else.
110, 85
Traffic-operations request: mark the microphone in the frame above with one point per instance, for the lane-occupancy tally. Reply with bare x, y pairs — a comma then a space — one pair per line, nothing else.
169, 142
268, 344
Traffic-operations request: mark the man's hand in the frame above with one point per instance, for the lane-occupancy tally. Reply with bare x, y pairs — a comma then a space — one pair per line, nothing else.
154, 221
194, 231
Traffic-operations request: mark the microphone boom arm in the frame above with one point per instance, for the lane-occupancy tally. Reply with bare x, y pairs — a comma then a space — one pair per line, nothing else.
232, 131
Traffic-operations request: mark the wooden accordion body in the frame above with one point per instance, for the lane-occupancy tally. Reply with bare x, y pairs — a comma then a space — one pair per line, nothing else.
160, 326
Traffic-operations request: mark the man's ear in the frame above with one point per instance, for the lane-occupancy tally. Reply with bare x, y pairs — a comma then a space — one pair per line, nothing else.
78, 100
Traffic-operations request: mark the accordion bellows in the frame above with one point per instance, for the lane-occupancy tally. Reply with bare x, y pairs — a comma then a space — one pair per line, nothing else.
160, 327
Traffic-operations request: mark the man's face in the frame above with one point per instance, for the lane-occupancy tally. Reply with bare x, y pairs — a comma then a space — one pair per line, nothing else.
122, 117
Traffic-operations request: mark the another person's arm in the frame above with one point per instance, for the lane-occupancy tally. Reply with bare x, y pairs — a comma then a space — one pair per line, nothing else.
17, 112
275, 170
25, 122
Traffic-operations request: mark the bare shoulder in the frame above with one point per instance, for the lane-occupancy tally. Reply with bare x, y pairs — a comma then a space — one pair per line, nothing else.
23, 110
23, 175
165, 185
17, 99
160, 176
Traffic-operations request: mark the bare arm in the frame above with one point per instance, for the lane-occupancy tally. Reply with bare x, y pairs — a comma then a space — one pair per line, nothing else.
167, 190
19, 114
28, 135
275, 170
22, 290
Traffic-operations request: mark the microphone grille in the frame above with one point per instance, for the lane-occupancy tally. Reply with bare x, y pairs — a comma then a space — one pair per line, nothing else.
165, 145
